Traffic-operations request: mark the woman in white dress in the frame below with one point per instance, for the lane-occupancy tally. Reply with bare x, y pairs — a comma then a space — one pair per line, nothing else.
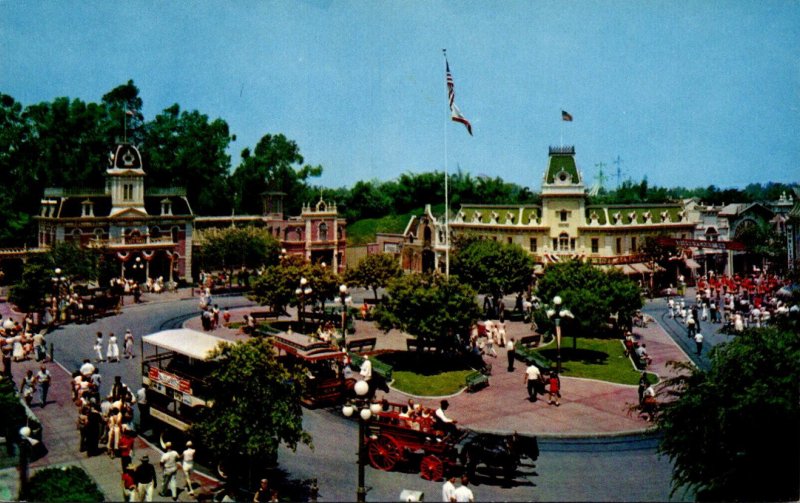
112, 351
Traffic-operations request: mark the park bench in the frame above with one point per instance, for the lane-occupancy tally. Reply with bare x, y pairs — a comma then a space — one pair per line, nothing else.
378, 367
476, 380
530, 340
529, 356
362, 345
415, 345
262, 315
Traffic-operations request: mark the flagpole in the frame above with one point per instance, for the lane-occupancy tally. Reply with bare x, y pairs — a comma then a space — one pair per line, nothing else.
125, 121
446, 195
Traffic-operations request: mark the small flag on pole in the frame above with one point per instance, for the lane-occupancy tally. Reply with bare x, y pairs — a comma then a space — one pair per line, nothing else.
455, 113
566, 116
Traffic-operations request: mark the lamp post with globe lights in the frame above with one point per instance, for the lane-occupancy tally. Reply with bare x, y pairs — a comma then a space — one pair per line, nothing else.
302, 292
58, 281
557, 314
345, 300
366, 409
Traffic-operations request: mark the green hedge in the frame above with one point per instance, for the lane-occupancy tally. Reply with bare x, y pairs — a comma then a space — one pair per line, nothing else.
69, 483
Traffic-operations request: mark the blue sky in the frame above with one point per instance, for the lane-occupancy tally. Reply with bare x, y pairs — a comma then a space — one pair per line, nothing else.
687, 93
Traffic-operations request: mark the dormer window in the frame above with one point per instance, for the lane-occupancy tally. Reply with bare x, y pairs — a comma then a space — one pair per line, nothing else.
617, 218
664, 216
476, 217
510, 217
166, 207
323, 231
87, 208
495, 216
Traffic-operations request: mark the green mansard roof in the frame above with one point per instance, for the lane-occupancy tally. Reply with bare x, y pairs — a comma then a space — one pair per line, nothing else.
562, 159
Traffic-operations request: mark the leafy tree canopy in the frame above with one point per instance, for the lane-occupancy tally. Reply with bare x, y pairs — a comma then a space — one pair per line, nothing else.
592, 295
732, 432
274, 165
244, 429
236, 247
431, 307
374, 271
492, 267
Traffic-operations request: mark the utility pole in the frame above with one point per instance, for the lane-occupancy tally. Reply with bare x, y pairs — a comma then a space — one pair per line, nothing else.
618, 161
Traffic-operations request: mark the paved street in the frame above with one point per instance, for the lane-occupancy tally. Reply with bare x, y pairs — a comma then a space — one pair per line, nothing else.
568, 469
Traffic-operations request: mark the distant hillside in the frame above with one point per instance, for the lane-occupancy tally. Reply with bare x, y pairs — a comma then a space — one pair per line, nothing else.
364, 230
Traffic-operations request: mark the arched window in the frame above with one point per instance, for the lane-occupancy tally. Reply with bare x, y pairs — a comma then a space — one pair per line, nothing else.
323, 231
175, 233
155, 232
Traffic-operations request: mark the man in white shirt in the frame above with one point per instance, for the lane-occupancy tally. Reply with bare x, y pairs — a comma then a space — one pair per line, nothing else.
169, 462
464, 493
449, 490
533, 378
442, 421
698, 340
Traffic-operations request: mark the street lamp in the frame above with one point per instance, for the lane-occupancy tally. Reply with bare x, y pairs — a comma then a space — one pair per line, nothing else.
345, 301
366, 411
138, 266
556, 314
58, 280
303, 291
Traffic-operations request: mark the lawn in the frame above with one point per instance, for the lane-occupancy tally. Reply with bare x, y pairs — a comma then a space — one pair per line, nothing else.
363, 231
430, 375
600, 359
426, 374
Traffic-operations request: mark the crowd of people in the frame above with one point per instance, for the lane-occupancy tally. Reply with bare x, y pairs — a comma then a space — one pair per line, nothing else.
736, 302
19, 342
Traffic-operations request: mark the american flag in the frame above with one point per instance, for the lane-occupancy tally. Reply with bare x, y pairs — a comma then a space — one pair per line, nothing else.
455, 113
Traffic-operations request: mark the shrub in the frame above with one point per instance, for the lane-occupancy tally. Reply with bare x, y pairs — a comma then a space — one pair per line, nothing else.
68, 483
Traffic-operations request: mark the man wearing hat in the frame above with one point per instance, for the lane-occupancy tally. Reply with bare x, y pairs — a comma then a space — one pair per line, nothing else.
188, 466
145, 478
169, 462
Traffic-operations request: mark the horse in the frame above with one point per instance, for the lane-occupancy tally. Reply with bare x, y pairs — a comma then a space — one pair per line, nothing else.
505, 451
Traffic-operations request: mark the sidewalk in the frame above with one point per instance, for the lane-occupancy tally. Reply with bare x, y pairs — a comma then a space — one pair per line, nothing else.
61, 438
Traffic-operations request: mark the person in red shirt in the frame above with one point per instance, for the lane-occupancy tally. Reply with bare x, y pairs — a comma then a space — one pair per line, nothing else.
128, 485
126, 442
555, 388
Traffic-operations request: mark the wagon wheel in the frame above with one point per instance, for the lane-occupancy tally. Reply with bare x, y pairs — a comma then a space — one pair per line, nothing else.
431, 468
384, 453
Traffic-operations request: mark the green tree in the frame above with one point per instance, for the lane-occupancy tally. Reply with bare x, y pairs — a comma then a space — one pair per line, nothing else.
243, 430
492, 267
430, 307
186, 149
732, 432
77, 264
272, 166
275, 286
323, 281
592, 295
237, 247
29, 293
374, 271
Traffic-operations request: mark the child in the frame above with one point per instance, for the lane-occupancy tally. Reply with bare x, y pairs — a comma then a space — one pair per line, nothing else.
555, 388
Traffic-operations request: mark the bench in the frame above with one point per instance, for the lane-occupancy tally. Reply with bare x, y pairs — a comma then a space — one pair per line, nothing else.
262, 315
362, 345
415, 345
476, 381
529, 356
530, 340
378, 367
